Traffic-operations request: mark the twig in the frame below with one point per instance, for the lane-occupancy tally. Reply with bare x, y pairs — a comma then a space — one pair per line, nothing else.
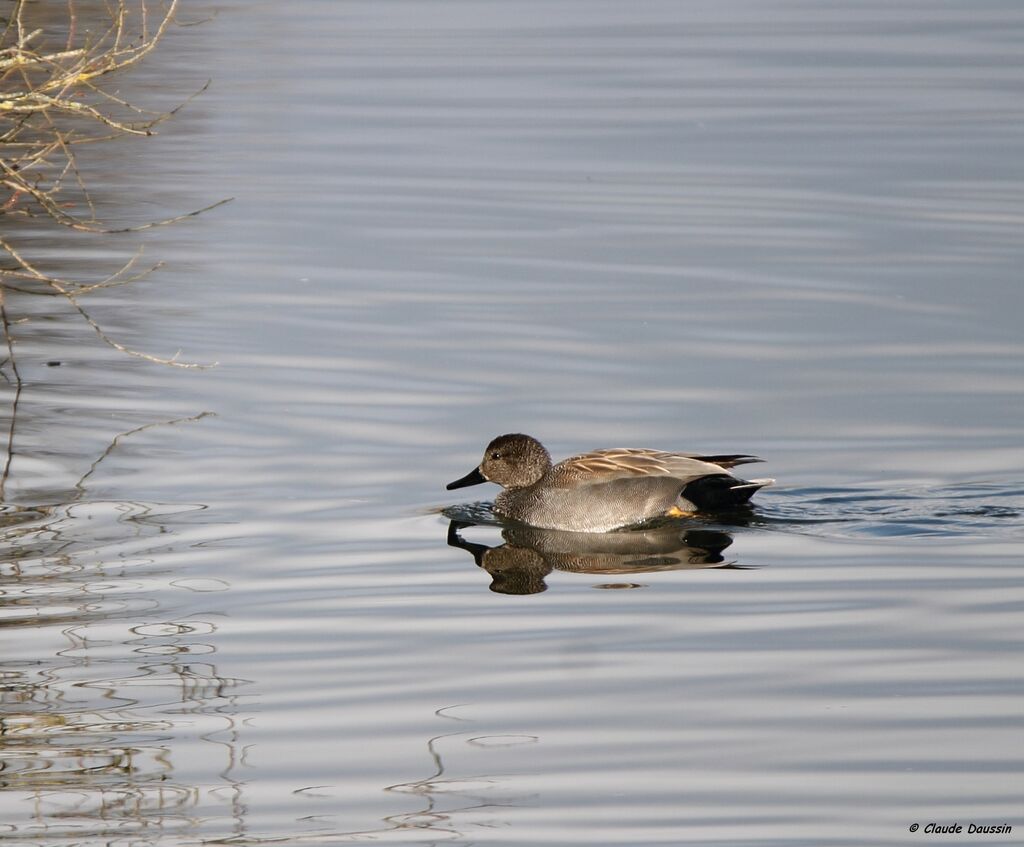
71, 298
80, 485
9, 457
9, 339
168, 221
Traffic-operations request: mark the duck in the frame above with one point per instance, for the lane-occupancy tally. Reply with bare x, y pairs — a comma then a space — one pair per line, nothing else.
605, 490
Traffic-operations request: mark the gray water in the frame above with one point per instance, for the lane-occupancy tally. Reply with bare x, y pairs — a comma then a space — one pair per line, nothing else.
233, 611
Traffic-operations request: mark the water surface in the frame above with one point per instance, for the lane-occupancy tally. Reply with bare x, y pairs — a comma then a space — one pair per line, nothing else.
233, 609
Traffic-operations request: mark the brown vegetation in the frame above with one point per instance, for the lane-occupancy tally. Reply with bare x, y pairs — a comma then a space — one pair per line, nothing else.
53, 99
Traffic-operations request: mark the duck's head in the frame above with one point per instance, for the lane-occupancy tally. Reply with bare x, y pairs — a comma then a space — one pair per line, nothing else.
512, 461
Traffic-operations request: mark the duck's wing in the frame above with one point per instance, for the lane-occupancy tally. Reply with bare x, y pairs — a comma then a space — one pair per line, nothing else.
727, 461
631, 462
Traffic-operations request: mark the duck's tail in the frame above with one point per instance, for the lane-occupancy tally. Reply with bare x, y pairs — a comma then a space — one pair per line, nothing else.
720, 492
730, 460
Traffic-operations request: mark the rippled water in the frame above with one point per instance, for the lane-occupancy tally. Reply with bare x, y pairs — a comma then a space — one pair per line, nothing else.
238, 605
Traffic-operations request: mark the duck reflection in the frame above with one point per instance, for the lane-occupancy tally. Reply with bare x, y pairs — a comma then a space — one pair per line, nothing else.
520, 565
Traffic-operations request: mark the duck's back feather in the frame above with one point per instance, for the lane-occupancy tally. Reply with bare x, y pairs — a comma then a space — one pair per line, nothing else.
601, 466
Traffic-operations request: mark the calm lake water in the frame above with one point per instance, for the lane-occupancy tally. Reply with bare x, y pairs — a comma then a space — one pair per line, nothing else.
233, 612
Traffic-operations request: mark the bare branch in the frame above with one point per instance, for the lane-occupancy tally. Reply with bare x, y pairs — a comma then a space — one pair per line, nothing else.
70, 296
52, 98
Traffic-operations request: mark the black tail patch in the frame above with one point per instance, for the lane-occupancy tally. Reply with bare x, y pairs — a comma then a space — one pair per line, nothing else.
729, 461
719, 492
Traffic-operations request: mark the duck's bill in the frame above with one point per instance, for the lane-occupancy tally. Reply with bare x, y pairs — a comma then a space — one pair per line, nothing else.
474, 477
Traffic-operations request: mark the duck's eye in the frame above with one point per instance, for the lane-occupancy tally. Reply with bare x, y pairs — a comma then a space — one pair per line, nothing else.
495, 455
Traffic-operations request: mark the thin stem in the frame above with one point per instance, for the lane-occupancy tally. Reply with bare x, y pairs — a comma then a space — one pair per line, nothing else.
9, 457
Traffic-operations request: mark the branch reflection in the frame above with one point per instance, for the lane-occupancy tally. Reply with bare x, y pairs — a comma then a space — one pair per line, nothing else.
115, 720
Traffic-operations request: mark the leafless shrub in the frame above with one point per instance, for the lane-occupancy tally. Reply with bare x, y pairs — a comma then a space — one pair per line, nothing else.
51, 101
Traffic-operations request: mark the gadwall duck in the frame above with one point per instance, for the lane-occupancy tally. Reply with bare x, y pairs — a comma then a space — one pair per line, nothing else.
606, 489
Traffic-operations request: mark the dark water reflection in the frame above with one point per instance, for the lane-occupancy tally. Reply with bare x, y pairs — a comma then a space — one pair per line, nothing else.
979, 509
784, 228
